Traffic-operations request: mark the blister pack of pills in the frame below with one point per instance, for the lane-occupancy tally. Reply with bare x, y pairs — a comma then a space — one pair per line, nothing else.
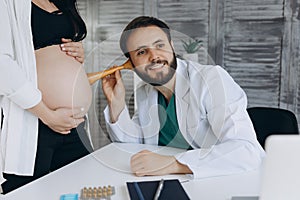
91, 193
97, 193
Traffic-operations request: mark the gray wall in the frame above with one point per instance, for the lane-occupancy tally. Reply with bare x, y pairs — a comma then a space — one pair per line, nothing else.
256, 41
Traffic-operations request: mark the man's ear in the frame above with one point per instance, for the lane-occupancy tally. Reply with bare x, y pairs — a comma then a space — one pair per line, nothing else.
172, 44
133, 66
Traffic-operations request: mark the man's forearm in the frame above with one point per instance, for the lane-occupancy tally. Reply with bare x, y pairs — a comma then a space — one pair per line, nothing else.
115, 110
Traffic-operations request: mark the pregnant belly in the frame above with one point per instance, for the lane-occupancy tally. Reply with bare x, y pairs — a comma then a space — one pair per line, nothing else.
62, 80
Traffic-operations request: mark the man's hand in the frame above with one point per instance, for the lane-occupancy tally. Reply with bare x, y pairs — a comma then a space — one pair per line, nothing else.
74, 49
146, 163
114, 90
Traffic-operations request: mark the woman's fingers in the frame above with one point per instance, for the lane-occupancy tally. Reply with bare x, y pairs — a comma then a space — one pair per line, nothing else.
74, 49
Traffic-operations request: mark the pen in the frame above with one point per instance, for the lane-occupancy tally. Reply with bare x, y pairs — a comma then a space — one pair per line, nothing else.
138, 191
159, 189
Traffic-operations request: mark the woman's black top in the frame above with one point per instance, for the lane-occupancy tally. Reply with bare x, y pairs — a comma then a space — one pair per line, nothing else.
49, 28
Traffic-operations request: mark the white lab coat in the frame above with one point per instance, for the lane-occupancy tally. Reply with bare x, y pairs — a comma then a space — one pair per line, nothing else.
18, 89
212, 117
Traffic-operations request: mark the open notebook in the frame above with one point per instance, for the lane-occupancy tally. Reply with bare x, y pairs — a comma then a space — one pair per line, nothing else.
281, 170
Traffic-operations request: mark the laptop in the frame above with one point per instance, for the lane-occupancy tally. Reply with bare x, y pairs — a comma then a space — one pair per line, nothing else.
281, 169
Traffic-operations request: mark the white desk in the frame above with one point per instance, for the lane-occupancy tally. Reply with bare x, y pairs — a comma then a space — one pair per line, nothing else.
110, 166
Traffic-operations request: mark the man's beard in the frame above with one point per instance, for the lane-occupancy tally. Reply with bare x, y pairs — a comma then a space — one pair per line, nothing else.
160, 78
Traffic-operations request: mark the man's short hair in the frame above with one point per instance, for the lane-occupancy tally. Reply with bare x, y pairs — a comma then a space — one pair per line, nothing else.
139, 22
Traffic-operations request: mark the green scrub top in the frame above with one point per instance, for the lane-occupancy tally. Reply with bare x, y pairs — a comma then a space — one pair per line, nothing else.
169, 134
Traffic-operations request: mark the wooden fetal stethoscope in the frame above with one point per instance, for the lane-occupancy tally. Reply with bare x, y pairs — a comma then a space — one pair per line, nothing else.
95, 76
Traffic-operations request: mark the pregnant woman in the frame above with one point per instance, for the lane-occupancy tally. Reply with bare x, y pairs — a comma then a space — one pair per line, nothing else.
57, 30
61, 78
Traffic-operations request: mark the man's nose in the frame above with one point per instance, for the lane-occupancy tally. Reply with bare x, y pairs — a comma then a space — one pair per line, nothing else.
153, 55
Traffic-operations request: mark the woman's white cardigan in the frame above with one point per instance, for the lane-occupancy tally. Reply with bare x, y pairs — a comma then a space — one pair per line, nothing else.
18, 89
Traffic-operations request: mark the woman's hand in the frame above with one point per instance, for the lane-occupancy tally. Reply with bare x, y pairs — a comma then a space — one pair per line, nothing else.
61, 120
74, 49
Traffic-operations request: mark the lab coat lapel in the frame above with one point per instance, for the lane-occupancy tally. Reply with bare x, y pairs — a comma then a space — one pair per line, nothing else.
182, 89
149, 118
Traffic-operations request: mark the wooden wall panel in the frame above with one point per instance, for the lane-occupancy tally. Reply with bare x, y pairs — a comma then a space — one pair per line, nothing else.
188, 20
118, 12
291, 95
252, 48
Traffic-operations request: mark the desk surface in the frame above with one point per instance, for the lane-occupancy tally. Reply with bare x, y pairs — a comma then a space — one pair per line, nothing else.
110, 166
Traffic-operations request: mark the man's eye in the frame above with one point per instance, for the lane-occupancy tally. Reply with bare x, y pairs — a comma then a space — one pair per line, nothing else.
160, 45
141, 52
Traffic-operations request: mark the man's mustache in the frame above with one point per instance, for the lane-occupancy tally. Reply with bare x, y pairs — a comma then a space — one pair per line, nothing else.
165, 62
